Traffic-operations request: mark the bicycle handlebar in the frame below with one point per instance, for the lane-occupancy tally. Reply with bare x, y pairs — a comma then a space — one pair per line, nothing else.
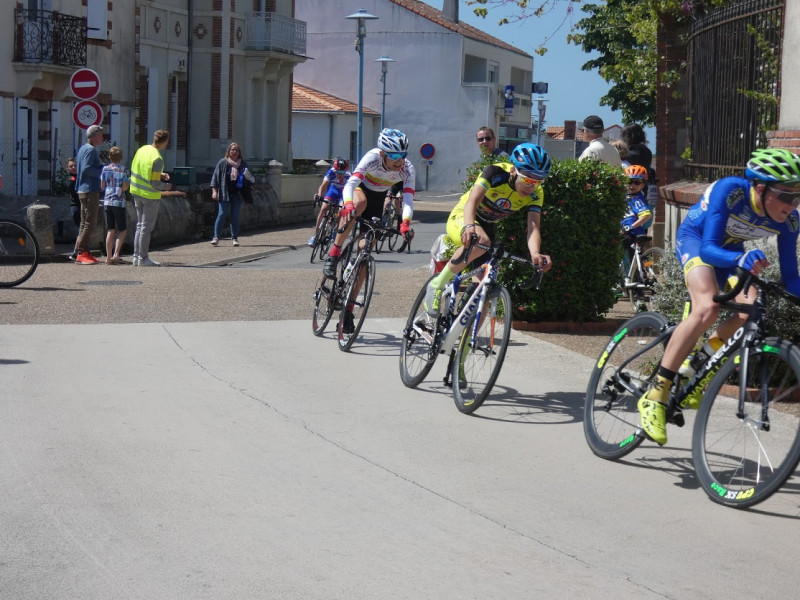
498, 252
746, 279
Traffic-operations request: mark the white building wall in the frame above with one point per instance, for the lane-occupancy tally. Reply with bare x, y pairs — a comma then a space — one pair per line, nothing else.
425, 96
790, 63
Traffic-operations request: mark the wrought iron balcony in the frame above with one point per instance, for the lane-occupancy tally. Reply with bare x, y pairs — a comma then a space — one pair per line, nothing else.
43, 36
274, 32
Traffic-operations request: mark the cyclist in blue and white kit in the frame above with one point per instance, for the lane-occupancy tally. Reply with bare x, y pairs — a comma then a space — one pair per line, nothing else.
334, 182
365, 191
710, 244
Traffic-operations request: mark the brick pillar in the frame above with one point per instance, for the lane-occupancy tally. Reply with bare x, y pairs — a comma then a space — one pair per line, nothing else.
789, 139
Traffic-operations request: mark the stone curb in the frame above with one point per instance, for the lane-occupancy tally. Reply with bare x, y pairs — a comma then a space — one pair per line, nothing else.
606, 327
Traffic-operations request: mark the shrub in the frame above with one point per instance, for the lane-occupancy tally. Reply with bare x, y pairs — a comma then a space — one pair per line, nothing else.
583, 205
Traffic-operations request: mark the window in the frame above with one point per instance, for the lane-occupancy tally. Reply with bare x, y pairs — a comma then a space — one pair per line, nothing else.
96, 19
474, 69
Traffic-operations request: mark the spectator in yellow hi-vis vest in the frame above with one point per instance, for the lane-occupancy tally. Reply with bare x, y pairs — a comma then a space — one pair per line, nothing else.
147, 183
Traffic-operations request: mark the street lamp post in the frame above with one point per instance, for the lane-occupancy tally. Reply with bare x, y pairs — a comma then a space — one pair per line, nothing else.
384, 60
361, 16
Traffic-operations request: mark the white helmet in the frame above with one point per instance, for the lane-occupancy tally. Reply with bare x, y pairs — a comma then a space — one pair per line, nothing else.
392, 140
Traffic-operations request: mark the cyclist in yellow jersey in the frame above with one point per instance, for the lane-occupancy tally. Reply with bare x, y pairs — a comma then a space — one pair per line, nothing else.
500, 190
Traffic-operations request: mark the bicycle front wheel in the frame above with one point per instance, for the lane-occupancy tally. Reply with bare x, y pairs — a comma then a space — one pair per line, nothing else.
19, 253
624, 371
481, 351
742, 458
356, 302
417, 348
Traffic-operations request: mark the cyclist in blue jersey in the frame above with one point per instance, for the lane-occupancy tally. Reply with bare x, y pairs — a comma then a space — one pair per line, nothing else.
332, 185
710, 244
637, 214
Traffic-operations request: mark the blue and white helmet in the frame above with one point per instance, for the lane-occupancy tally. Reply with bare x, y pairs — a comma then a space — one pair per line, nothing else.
392, 140
531, 160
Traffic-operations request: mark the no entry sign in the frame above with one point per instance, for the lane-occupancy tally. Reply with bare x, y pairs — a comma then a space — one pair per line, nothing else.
85, 84
87, 113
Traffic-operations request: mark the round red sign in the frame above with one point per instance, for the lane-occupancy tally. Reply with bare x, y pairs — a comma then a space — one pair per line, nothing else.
85, 84
87, 113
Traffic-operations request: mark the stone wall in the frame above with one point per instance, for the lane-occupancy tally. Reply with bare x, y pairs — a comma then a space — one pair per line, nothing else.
279, 200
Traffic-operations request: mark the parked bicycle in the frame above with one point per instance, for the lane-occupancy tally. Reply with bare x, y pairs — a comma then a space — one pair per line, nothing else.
746, 437
351, 290
326, 230
19, 253
644, 271
474, 327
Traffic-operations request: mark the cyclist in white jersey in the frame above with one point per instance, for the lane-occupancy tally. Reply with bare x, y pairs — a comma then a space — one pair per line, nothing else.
365, 191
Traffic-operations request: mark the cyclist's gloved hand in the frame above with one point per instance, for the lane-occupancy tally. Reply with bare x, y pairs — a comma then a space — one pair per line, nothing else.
405, 226
317, 197
348, 212
749, 258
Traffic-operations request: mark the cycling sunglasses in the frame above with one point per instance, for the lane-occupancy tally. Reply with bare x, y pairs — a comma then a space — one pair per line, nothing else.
792, 198
340, 172
395, 155
636, 182
528, 178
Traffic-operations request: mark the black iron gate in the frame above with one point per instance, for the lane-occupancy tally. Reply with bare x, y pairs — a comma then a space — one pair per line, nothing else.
734, 85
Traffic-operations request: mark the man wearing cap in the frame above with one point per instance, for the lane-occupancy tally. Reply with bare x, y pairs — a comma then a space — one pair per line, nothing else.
87, 184
598, 148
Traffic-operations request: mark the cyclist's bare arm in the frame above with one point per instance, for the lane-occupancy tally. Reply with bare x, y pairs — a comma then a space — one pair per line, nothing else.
535, 242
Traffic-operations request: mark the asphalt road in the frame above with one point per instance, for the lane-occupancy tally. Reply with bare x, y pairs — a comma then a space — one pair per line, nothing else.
179, 437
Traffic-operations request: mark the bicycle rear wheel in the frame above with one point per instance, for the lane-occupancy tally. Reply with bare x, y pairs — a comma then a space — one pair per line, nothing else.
324, 303
651, 267
743, 458
621, 375
19, 253
480, 357
356, 301
417, 349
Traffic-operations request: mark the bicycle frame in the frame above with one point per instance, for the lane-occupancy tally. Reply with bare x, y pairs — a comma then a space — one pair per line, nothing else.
474, 305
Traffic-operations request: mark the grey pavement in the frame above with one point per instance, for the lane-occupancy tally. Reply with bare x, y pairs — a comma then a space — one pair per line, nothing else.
180, 433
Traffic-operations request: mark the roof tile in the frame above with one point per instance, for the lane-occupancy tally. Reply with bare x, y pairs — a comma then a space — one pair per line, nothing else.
306, 99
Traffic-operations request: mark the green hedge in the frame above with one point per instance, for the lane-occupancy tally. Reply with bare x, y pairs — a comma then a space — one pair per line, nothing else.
583, 205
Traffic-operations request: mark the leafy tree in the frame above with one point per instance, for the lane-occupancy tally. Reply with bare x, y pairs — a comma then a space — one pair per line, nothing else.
623, 33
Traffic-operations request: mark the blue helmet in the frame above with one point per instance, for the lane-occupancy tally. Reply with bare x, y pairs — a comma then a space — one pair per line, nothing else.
531, 160
392, 140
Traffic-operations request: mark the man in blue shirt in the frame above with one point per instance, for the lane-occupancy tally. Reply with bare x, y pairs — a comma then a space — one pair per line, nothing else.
87, 184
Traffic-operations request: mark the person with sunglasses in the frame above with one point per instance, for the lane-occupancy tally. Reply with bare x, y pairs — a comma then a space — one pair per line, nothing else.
365, 192
638, 212
710, 245
334, 182
487, 142
500, 190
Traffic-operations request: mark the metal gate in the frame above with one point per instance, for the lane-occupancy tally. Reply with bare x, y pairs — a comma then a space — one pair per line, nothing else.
734, 85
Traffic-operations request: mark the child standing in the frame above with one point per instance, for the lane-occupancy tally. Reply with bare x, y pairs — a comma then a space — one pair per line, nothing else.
114, 181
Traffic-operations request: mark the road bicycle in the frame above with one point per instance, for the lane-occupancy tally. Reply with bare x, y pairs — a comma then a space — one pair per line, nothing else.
473, 327
391, 219
326, 230
19, 253
746, 436
350, 291
639, 280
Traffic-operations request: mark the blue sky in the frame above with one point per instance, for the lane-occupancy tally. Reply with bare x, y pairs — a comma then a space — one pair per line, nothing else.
573, 94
